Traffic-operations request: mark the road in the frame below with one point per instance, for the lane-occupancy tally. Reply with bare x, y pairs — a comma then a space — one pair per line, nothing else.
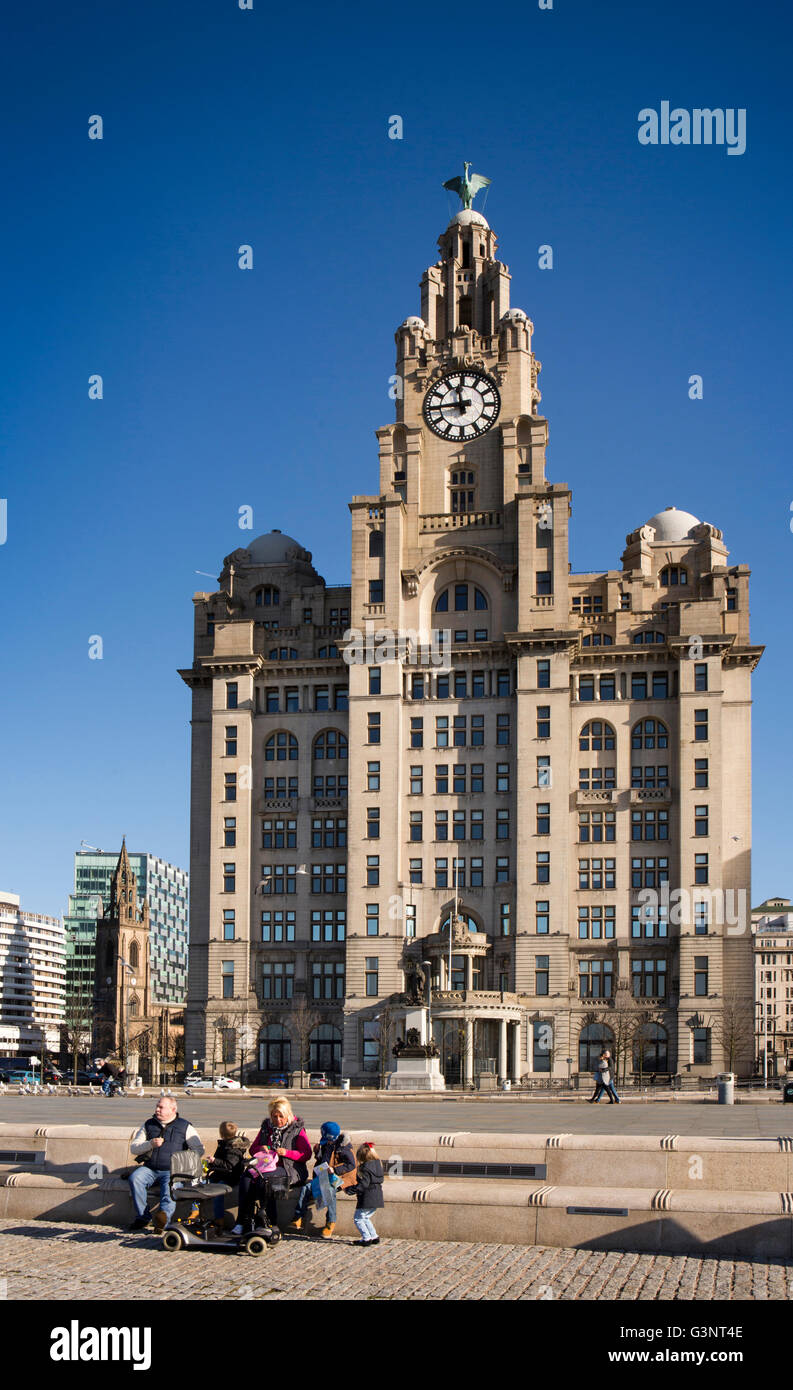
446, 1116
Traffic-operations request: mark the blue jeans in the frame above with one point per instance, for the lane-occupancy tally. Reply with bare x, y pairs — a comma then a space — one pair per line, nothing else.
139, 1183
106, 1085
305, 1197
364, 1222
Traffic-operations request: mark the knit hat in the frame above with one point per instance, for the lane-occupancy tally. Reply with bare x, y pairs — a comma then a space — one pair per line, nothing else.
330, 1130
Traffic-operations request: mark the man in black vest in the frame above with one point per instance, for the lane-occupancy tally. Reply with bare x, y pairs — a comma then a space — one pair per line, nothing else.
160, 1137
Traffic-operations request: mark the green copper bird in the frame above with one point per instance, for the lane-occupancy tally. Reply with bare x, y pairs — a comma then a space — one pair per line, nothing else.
468, 186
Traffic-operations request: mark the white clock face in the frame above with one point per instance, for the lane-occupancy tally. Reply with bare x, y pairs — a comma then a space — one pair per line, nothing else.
462, 405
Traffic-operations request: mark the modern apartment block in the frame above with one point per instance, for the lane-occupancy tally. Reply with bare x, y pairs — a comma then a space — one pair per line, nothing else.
772, 930
535, 782
32, 979
166, 889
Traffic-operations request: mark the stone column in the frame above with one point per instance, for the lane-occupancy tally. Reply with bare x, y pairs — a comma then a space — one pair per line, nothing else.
468, 1074
516, 1052
502, 1048
469, 972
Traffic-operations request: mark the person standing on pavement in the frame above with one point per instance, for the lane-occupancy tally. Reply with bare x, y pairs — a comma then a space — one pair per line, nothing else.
369, 1191
166, 1133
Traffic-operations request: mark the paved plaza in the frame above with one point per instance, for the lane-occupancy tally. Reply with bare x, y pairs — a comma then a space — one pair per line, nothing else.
49, 1260
763, 1120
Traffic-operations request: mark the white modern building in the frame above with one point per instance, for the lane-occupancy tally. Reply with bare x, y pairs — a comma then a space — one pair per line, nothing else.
32, 979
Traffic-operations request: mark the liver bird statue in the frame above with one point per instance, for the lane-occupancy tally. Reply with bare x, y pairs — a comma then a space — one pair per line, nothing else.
468, 186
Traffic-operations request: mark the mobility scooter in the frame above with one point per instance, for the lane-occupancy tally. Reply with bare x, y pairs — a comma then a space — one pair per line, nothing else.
193, 1224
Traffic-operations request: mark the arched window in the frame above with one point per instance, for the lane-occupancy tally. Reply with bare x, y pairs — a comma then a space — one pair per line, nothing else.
134, 1005
275, 1049
376, 543
651, 1049
591, 1041
267, 597
283, 654
134, 955
648, 638
330, 745
472, 926
280, 747
674, 574
650, 733
324, 1048
597, 736
598, 639
464, 598
331, 650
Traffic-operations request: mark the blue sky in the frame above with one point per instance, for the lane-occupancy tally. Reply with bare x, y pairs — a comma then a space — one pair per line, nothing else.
224, 387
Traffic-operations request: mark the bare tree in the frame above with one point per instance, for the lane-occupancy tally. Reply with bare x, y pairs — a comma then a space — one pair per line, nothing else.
304, 1019
387, 1020
643, 1021
734, 1028
221, 1024
78, 1021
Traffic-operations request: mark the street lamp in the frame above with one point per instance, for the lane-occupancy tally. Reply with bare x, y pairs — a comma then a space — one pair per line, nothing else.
428, 968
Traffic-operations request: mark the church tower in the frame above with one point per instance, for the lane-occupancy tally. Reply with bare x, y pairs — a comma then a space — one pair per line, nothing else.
122, 982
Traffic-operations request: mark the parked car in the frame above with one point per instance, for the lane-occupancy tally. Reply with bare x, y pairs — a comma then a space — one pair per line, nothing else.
226, 1083
207, 1083
318, 1079
198, 1083
276, 1078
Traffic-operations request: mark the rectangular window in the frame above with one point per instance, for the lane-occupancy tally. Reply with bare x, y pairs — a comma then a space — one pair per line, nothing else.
701, 821
597, 826
700, 868
372, 971
596, 923
416, 781
638, 687
477, 730
503, 683
502, 868
372, 919
701, 1049
271, 700
373, 726
372, 870
607, 689
700, 919
732, 600
544, 818
278, 925
417, 733
229, 878
232, 691
230, 831
460, 685
541, 974
373, 777
649, 825
477, 872
543, 867
441, 825
502, 729
442, 731
503, 917
321, 698
416, 875
478, 691
442, 687
441, 779
701, 975
459, 775
542, 918
543, 721
327, 924
373, 822
586, 687
375, 591
595, 979
459, 732
279, 834
502, 824
326, 878
416, 826
231, 786
410, 920
441, 873
227, 978
228, 924
341, 696
327, 979
292, 699
660, 685
477, 777
231, 740
277, 788
543, 772
543, 675
700, 676
700, 725
374, 680
417, 687
649, 978
700, 772
477, 826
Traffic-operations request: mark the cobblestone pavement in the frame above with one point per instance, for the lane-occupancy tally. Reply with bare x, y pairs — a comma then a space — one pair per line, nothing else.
50, 1260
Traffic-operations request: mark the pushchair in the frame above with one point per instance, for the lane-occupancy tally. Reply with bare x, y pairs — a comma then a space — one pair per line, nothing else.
193, 1223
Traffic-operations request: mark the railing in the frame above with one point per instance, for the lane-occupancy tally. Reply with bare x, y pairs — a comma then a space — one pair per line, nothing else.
324, 803
472, 996
651, 794
447, 521
586, 798
542, 600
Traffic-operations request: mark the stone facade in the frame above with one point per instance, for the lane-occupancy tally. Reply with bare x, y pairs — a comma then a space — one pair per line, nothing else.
552, 768
772, 931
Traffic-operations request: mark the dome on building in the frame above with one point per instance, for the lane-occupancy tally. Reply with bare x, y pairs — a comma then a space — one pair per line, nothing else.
413, 322
467, 217
673, 525
274, 549
513, 314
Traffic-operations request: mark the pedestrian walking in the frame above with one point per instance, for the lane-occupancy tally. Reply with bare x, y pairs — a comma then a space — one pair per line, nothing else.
368, 1189
603, 1080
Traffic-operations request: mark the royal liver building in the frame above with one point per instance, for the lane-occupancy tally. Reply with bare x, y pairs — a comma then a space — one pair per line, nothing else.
532, 785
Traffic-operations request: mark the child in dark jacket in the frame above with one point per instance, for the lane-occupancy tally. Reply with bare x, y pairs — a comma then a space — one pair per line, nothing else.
369, 1191
335, 1150
227, 1164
